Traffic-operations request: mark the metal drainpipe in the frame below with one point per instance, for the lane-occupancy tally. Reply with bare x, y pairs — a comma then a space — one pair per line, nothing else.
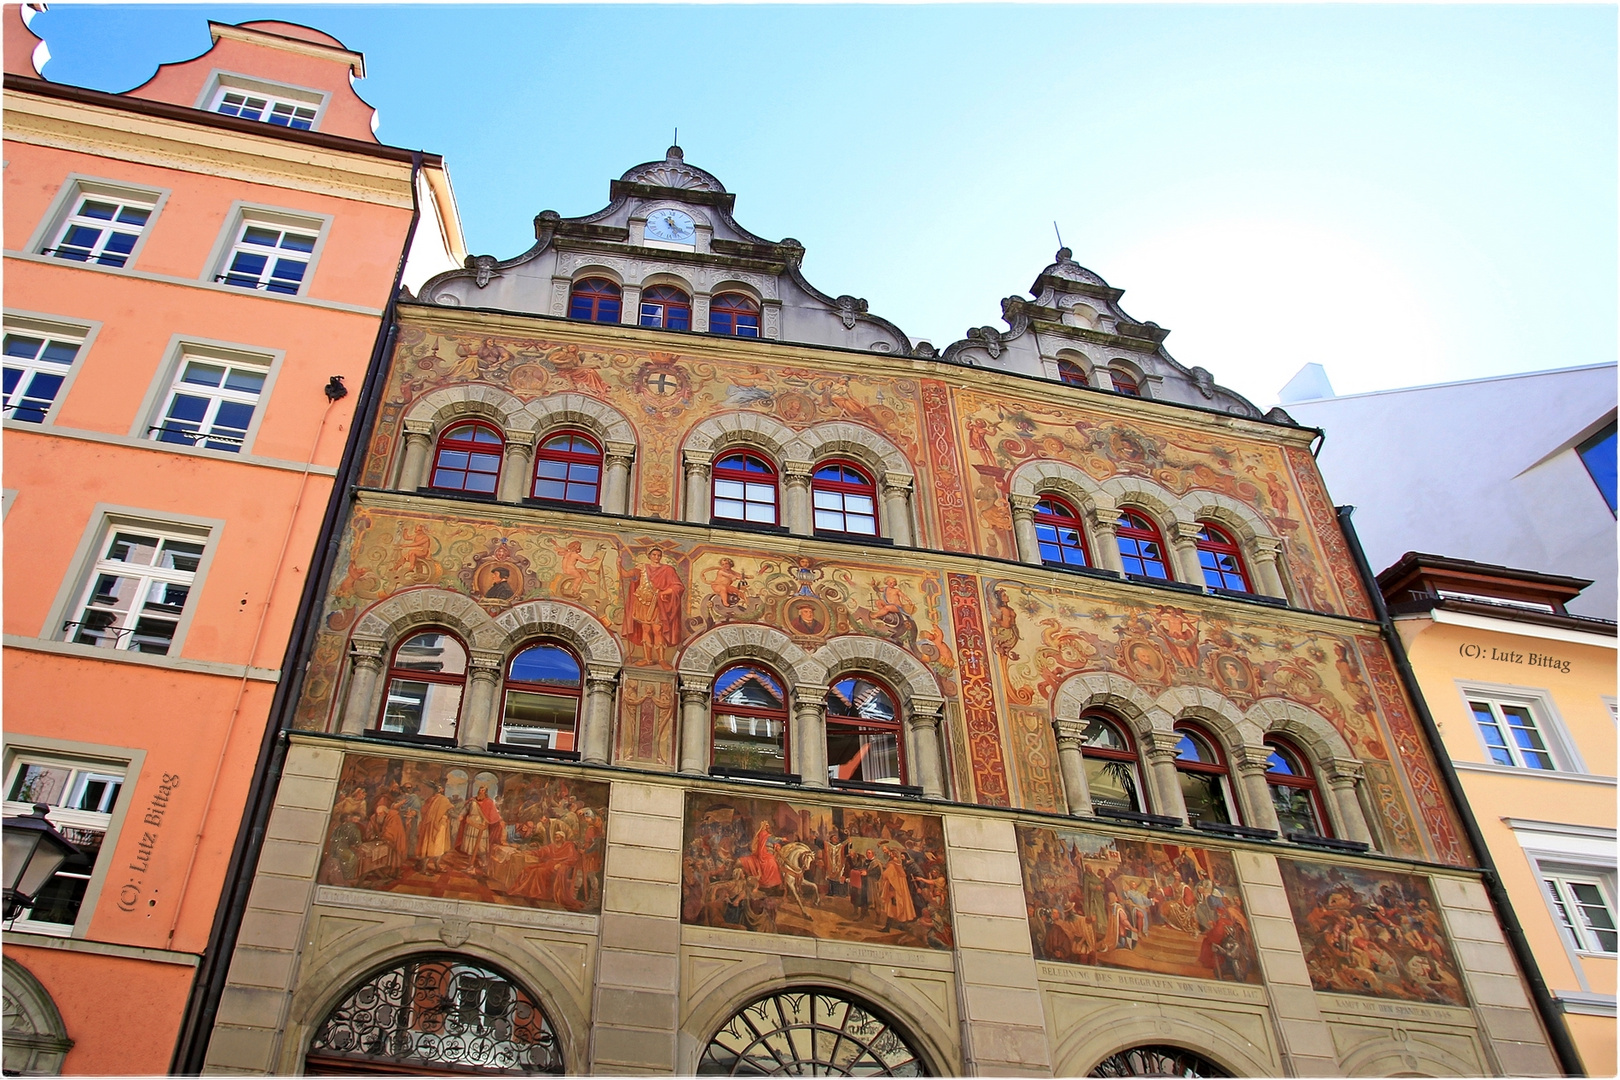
191, 1048
1552, 1018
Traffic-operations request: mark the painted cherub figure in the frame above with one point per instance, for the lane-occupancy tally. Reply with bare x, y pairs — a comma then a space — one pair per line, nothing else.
574, 570
726, 582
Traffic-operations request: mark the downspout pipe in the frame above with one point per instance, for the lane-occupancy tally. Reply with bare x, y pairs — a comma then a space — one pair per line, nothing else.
202, 1005
1552, 1018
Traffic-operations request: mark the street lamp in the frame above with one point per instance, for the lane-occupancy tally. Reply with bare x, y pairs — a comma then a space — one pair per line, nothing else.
33, 852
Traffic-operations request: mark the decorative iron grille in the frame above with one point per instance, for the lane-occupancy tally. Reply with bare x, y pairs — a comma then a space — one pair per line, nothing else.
1157, 1061
808, 1033
440, 1013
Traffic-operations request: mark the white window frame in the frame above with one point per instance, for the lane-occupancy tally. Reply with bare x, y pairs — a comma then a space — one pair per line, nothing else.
29, 324
64, 209
153, 415
105, 521
149, 578
244, 216
221, 83
1558, 877
1555, 849
1560, 747
83, 758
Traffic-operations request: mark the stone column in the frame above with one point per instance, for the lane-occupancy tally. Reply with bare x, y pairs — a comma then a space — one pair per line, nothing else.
413, 470
700, 312
1072, 764
1182, 537
694, 746
809, 735
1259, 811
796, 513
517, 467
366, 658
1023, 515
897, 507
479, 723
698, 505
616, 459
927, 755
596, 722
630, 305
1161, 755
1268, 579
1103, 527
1343, 777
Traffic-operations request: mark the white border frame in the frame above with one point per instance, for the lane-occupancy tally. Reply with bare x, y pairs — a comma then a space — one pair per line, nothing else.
184, 346
1564, 752
77, 184
220, 79
242, 212
85, 329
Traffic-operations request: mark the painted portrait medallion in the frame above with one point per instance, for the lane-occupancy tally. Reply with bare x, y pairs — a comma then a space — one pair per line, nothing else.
1371, 932
495, 836
843, 873
1165, 908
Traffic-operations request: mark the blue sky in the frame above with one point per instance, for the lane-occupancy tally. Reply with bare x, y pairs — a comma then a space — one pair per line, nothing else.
1405, 194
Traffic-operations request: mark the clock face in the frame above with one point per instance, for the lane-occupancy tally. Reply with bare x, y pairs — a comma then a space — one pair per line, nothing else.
671, 226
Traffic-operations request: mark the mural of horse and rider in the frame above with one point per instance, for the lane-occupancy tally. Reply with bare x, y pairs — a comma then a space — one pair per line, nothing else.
841, 873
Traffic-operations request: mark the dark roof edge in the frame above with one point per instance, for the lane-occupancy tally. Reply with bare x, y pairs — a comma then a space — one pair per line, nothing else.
185, 114
1414, 560
1585, 623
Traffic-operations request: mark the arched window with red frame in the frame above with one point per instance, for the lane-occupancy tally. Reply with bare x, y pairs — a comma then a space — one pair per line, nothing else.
864, 740
734, 315
426, 678
844, 498
750, 711
1124, 382
595, 300
1113, 772
1221, 559
1294, 793
1141, 548
540, 704
1058, 534
468, 458
666, 307
568, 468
1205, 779
1072, 373
745, 488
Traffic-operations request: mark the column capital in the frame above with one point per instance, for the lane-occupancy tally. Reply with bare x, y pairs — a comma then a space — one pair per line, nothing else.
520, 439
1023, 505
1106, 521
1183, 532
798, 472
697, 460
1343, 772
485, 662
810, 697
694, 693
1069, 732
367, 651
1248, 764
898, 481
1266, 548
619, 451
596, 674
1161, 745
423, 428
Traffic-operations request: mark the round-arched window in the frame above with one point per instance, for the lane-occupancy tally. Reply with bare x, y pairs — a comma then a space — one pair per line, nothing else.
1293, 791
745, 489
436, 1014
1203, 775
1141, 548
468, 459
750, 712
844, 498
809, 1033
864, 742
734, 314
541, 709
1058, 533
1157, 1061
667, 307
1221, 559
1111, 766
568, 468
1124, 382
425, 683
595, 300
1072, 373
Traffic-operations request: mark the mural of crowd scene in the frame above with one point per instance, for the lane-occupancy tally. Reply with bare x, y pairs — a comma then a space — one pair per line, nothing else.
838, 872
1371, 932
1165, 908
462, 833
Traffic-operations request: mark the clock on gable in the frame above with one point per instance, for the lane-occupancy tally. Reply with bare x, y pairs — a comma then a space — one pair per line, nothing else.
671, 227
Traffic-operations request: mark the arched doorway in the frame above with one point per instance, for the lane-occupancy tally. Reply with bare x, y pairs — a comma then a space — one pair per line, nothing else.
809, 1032
35, 1039
435, 1015
1157, 1061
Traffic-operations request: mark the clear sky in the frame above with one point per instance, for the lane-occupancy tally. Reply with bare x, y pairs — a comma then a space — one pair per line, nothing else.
1404, 194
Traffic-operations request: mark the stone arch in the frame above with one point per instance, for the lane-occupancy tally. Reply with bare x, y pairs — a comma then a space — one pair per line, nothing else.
389, 619
741, 428
1220, 717
861, 443
662, 275
1310, 729
707, 653
910, 678
1159, 503
576, 410
36, 1040
1117, 694
931, 1034
324, 988
580, 629
438, 410
1245, 524
737, 285
1133, 370
1409, 1056
596, 270
1144, 1024
1037, 477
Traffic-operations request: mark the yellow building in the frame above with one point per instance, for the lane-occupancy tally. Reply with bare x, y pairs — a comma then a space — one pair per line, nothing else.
1523, 694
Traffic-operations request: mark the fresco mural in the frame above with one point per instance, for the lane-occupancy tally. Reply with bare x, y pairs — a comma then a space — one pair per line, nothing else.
428, 828
1371, 932
1165, 908
842, 873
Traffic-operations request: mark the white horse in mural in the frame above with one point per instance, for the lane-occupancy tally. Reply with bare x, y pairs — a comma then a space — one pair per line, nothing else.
794, 859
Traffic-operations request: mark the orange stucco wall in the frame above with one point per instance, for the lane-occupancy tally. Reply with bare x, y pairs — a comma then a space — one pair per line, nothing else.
1444, 657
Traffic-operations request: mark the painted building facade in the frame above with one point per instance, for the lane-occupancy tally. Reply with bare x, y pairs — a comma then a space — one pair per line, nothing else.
1524, 696
712, 679
193, 271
